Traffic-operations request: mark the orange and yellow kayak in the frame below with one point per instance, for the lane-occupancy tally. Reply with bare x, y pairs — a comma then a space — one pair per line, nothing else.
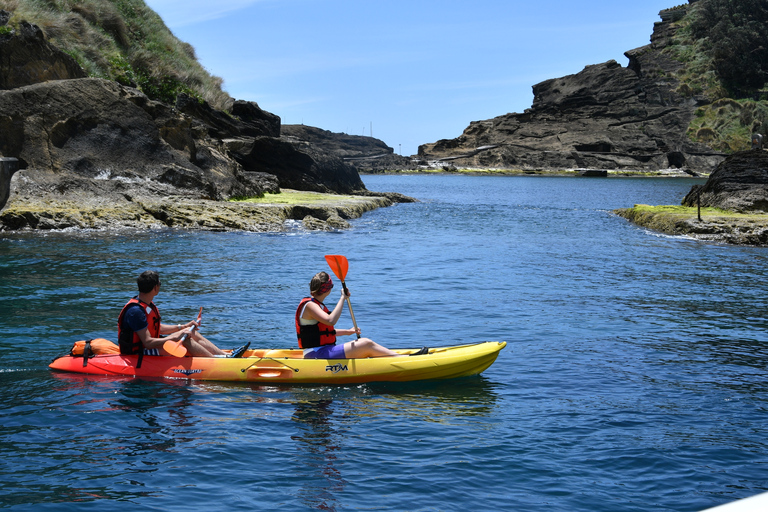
289, 367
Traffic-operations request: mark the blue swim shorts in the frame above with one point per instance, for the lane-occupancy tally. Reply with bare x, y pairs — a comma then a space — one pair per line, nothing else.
325, 352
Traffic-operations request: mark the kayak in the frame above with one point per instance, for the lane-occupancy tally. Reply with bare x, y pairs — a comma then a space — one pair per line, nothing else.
289, 367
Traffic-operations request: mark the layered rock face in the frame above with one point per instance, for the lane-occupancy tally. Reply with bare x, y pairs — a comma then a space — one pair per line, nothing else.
97, 140
739, 183
365, 154
605, 117
86, 133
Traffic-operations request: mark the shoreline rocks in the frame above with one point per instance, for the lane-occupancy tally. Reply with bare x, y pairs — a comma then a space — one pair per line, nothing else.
91, 141
103, 212
733, 205
714, 226
739, 183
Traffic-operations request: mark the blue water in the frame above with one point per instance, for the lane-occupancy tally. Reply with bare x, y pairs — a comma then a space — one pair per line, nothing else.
634, 378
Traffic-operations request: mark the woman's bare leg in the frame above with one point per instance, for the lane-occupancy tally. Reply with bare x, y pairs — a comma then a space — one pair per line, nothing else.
364, 347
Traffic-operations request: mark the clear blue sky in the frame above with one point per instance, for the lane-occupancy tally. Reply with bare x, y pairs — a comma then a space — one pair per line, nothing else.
414, 71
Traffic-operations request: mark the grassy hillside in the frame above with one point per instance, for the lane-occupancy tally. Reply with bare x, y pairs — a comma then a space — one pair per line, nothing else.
122, 40
724, 45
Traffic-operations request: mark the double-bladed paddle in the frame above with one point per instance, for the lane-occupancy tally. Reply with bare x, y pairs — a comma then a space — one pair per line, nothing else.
339, 265
176, 348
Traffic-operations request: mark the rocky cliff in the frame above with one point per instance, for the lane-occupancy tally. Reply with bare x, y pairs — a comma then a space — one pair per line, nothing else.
98, 140
605, 117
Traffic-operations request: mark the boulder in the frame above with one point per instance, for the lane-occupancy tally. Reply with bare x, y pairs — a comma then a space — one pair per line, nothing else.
366, 154
247, 118
739, 183
257, 121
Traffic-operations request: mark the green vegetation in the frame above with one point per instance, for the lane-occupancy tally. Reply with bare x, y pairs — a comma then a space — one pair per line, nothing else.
685, 211
294, 197
715, 224
722, 44
727, 124
672, 215
122, 40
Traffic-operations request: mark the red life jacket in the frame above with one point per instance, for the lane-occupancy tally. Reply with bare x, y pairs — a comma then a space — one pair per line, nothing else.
316, 335
128, 340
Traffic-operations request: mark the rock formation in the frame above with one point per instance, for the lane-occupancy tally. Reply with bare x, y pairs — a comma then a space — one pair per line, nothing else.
739, 183
366, 154
605, 117
97, 140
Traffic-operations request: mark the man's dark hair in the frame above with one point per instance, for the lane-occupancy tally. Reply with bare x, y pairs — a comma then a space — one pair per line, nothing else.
148, 280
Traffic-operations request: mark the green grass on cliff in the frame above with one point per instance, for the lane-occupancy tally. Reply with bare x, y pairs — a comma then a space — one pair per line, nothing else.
736, 108
670, 214
727, 125
121, 40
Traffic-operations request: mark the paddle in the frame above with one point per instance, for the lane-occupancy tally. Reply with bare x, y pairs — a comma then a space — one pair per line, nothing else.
175, 348
339, 265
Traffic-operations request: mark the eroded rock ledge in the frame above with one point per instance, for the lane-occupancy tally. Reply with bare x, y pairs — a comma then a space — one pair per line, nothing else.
731, 207
717, 226
140, 210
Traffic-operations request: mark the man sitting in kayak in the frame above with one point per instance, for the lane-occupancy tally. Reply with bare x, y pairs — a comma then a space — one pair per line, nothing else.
317, 336
139, 327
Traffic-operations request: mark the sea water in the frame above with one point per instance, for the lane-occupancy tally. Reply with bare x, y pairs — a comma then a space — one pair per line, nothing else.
634, 378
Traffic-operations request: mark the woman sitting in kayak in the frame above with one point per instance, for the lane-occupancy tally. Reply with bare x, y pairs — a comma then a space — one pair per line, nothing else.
317, 336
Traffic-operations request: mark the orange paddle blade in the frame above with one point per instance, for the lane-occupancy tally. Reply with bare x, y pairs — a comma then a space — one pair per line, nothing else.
339, 265
175, 348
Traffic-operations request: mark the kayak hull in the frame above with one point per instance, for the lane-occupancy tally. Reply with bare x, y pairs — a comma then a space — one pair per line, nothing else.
289, 367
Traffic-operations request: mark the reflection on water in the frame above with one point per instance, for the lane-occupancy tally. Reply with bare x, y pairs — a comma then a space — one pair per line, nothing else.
72, 441
326, 417
318, 446
440, 402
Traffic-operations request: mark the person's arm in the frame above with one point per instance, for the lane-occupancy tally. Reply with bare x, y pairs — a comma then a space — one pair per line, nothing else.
137, 321
315, 312
170, 329
150, 342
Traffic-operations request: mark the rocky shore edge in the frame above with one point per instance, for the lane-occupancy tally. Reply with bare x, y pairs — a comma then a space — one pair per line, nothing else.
713, 225
730, 208
313, 210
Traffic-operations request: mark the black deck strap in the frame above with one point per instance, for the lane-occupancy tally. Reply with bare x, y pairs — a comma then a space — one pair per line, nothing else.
141, 357
86, 352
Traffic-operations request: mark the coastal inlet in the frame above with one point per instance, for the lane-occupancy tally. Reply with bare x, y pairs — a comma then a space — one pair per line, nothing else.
634, 376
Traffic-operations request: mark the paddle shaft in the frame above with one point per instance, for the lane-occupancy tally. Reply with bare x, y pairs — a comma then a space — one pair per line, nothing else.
349, 304
339, 265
